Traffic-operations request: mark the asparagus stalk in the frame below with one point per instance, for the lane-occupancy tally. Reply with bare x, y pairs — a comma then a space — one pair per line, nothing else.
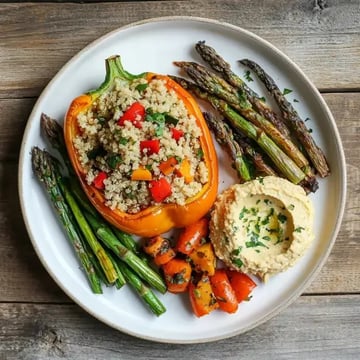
120, 281
224, 136
259, 163
145, 293
105, 262
315, 154
43, 168
110, 240
217, 63
55, 135
283, 162
213, 84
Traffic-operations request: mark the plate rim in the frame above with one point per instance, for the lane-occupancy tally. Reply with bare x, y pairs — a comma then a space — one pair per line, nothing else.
339, 150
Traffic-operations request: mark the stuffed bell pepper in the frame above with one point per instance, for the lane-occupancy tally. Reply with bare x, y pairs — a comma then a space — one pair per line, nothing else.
142, 151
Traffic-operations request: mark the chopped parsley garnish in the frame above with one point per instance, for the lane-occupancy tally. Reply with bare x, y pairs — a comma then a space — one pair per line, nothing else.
263, 99
159, 120
261, 180
296, 100
287, 91
291, 207
237, 262
141, 87
282, 218
299, 229
237, 251
200, 153
247, 76
243, 211
113, 161
123, 140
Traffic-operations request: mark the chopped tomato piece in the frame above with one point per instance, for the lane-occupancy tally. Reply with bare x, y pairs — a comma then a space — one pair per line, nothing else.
160, 189
176, 133
223, 291
150, 146
135, 114
241, 283
99, 180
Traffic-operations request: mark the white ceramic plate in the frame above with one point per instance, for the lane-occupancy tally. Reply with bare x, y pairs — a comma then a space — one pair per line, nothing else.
152, 45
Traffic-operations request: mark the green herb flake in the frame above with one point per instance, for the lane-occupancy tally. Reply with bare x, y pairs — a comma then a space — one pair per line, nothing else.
261, 180
113, 161
200, 154
263, 99
296, 100
141, 87
237, 251
123, 140
291, 207
287, 91
243, 211
171, 120
282, 218
247, 76
267, 238
237, 262
299, 229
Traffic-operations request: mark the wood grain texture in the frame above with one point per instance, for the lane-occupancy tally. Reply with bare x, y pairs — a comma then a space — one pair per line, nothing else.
28, 332
38, 38
37, 320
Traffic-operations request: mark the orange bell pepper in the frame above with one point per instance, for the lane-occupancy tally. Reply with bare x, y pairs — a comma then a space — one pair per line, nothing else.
161, 217
204, 259
202, 298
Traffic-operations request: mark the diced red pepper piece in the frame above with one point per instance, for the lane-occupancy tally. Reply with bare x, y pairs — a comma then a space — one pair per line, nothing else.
241, 283
135, 113
160, 189
176, 133
99, 180
151, 146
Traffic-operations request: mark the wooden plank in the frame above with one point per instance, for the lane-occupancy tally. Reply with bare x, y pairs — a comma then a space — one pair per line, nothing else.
23, 276
28, 331
38, 38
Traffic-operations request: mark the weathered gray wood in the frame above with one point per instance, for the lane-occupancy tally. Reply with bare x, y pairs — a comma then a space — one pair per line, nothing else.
325, 329
37, 39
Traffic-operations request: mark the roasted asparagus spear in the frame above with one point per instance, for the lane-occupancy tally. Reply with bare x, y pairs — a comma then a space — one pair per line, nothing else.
293, 119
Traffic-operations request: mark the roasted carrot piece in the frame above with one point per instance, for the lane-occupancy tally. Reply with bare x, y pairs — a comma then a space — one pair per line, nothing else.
185, 171
202, 298
141, 174
223, 291
159, 249
191, 236
241, 283
177, 274
204, 259
167, 167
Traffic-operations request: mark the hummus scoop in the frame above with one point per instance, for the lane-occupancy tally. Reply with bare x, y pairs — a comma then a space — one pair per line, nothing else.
263, 226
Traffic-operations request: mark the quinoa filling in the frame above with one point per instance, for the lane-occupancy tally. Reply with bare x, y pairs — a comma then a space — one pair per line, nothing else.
140, 146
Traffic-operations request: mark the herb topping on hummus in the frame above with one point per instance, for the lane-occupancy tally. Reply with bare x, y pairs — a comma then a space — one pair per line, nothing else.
262, 227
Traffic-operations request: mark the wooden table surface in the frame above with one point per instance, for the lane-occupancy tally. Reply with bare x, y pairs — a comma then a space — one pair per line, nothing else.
37, 320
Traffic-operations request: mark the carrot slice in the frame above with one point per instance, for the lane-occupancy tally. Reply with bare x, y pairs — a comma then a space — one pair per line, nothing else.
224, 293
